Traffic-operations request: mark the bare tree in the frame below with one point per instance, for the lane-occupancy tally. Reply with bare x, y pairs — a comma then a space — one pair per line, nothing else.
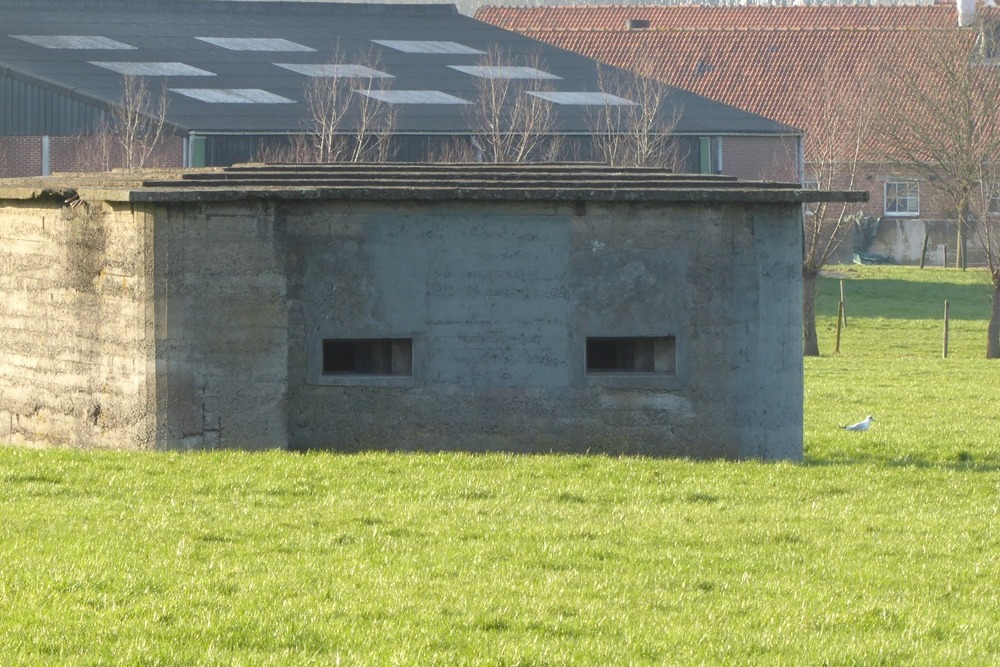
635, 125
986, 237
350, 117
835, 150
297, 148
134, 128
942, 117
943, 122
512, 118
456, 150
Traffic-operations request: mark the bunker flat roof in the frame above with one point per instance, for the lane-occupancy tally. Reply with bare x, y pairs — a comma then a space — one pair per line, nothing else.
415, 182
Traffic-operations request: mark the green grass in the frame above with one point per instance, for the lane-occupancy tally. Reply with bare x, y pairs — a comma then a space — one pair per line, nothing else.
928, 409
882, 548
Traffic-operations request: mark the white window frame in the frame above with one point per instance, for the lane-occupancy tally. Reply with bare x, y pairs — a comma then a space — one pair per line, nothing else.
808, 210
912, 197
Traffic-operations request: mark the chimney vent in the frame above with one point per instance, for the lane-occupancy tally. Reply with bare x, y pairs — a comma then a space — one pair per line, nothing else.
966, 13
637, 24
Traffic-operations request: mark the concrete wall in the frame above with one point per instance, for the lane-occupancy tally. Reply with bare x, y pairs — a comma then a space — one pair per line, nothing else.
75, 352
499, 300
903, 240
221, 326
200, 325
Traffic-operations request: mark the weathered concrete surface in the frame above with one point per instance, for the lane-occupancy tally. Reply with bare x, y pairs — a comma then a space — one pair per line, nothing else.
221, 326
123, 332
76, 346
499, 301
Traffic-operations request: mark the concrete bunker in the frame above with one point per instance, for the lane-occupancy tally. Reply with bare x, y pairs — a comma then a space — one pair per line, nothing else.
415, 307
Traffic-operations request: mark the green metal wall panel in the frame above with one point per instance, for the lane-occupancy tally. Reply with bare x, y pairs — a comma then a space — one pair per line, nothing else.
27, 110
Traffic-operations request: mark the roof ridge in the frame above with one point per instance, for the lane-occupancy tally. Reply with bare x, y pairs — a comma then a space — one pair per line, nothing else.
755, 29
950, 4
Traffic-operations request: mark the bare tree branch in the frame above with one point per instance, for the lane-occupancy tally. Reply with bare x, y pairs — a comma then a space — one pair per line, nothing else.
349, 120
133, 129
512, 124
943, 122
639, 131
295, 149
942, 118
835, 147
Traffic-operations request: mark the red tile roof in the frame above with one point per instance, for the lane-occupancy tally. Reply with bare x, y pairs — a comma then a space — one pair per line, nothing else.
680, 17
760, 59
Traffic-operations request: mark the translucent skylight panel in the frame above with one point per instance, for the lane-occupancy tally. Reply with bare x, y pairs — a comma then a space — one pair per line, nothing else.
581, 99
417, 46
413, 96
504, 72
153, 69
233, 95
255, 43
74, 42
335, 71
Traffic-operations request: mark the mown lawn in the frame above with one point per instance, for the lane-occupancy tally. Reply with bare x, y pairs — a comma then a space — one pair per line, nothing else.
928, 409
882, 548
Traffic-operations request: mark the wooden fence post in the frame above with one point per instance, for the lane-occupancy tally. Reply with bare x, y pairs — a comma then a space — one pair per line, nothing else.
840, 317
923, 251
946, 329
843, 309
945, 263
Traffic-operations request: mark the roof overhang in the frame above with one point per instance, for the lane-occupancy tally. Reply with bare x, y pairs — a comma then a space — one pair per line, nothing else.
417, 182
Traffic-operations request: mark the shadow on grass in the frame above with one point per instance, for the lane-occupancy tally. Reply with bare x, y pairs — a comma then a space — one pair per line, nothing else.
905, 462
903, 299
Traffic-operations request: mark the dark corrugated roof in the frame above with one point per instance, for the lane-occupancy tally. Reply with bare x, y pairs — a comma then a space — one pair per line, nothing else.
166, 32
419, 182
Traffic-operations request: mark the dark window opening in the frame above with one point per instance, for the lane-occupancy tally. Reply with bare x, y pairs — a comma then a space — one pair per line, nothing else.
632, 355
988, 41
375, 356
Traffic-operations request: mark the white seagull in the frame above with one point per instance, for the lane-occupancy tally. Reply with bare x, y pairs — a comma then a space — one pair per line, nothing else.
862, 425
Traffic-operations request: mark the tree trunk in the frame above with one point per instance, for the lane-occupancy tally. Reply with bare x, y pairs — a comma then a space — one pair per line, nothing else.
810, 344
993, 328
961, 240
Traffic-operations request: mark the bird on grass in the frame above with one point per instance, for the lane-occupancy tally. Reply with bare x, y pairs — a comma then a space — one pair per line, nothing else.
862, 425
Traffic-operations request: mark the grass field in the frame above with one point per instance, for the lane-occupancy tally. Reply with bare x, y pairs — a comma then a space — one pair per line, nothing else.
928, 409
882, 548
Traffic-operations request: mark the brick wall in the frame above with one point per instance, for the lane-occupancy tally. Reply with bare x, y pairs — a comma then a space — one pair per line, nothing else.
76, 154
20, 156
761, 158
